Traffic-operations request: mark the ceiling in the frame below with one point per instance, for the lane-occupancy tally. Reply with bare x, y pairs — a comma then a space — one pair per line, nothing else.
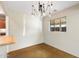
25, 6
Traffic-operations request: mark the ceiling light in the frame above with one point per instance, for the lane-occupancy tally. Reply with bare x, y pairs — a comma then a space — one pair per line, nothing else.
42, 8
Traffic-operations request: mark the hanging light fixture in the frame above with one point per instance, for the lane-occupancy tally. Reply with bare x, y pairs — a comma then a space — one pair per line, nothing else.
42, 8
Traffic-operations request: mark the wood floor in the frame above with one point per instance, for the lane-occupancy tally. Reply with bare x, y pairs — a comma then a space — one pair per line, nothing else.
39, 51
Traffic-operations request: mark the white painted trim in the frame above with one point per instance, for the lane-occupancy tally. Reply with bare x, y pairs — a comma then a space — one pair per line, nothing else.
7, 25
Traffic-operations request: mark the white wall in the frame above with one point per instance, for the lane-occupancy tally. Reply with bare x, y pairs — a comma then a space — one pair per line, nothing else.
66, 41
33, 29
3, 52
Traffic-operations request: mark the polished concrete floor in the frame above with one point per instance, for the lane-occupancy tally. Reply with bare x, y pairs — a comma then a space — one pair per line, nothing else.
39, 51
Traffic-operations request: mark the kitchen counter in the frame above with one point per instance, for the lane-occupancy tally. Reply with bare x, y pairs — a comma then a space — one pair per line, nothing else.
6, 40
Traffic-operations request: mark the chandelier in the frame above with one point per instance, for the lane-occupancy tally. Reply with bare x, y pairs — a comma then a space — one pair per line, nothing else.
42, 8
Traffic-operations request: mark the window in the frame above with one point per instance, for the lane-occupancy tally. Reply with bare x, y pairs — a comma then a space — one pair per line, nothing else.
58, 24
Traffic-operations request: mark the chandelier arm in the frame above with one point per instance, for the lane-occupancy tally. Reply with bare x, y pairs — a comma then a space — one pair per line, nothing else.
43, 9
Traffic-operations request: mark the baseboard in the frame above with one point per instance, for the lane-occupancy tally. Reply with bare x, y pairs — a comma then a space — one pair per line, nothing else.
29, 45
61, 49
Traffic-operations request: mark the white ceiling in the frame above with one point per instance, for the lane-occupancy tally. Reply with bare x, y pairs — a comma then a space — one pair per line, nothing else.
25, 6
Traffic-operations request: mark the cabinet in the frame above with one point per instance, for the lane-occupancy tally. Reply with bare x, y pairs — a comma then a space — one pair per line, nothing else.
3, 25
